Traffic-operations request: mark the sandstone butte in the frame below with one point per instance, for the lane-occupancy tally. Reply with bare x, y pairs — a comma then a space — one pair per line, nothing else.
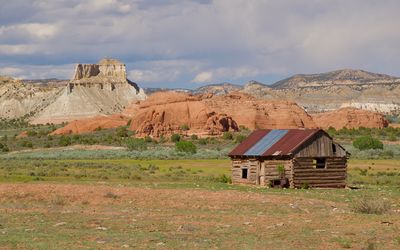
95, 89
168, 112
350, 118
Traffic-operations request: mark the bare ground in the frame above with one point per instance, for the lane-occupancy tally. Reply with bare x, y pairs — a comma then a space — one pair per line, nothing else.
54, 216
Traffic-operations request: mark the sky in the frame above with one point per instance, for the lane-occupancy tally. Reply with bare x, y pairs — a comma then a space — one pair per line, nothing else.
190, 43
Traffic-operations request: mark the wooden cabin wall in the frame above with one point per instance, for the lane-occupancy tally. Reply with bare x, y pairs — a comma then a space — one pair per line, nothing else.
334, 175
251, 164
271, 171
320, 146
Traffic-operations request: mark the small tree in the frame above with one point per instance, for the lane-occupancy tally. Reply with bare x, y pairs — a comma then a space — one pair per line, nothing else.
186, 147
367, 142
175, 138
281, 170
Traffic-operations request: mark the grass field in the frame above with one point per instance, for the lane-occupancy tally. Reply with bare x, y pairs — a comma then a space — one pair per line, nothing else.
185, 204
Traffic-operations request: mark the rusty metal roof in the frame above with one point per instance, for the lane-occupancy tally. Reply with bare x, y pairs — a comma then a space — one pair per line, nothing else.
276, 142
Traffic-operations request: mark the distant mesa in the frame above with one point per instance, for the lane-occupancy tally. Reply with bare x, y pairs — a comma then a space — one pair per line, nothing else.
95, 89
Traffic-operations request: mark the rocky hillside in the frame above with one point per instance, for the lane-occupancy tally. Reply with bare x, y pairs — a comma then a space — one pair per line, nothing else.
333, 90
338, 77
19, 99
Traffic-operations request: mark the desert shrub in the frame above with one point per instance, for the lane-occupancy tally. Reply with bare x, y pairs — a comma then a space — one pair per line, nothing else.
111, 195
239, 138
194, 137
31, 133
185, 127
136, 144
368, 205
367, 142
148, 139
224, 179
26, 144
305, 185
98, 129
122, 132
202, 141
227, 136
76, 137
64, 141
3, 147
175, 138
186, 147
161, 139
363, 172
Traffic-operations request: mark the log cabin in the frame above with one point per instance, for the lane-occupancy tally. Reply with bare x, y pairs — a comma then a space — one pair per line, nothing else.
295, 158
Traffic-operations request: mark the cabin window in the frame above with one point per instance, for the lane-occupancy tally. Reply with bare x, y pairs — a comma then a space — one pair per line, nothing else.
334, 148
319, 163
244, 173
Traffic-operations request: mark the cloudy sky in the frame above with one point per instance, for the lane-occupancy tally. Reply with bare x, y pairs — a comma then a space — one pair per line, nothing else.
189, 43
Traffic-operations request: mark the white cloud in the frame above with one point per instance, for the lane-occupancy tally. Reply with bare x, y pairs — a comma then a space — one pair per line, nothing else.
203, 77
182, 42
20, 49
35, 30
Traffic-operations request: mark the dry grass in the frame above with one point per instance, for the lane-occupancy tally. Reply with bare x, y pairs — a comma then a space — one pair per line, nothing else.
87, 216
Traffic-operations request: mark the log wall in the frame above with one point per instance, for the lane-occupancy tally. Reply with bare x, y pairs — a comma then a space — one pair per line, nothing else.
271, 171
252, 166
334, 175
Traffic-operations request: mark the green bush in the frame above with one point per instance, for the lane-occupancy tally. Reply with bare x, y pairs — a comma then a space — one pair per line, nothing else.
3, 148
148, 139
194, 137
224, 179
185, 127
227, 136
203, 141
239, 138
26, 144
64, 141
367, 142
186, 147
136, 144
175, 138
122, 132
31, 133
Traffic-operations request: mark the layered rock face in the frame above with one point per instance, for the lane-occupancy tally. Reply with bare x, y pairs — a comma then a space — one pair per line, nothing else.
167, 113
350, 118
18, 99
96, 89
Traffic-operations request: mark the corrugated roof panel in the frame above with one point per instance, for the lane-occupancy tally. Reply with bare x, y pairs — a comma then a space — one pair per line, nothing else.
266, 142
248, 142
291, 141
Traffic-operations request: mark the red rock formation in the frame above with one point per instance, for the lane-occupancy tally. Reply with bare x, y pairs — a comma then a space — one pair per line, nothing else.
350, 118
91, 124
167, 112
